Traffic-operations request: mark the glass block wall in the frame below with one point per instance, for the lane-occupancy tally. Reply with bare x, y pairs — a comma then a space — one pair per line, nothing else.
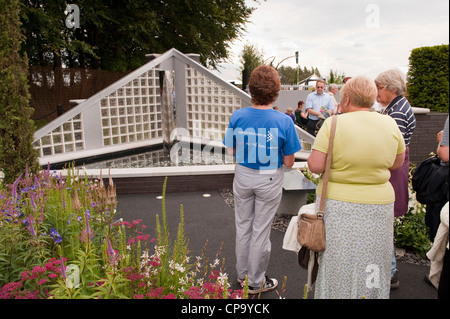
209, 106
133, 112
67, 137
128, 114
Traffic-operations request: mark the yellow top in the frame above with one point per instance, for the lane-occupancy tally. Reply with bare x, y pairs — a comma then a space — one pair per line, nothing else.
365, 146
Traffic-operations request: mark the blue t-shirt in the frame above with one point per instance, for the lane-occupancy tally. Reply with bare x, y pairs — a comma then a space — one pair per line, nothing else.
261, 137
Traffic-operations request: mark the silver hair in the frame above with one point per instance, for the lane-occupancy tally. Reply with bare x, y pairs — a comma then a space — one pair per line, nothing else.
332, 86
393, 80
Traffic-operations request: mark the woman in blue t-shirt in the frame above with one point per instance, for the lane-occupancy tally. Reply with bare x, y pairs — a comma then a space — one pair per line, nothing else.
262, 140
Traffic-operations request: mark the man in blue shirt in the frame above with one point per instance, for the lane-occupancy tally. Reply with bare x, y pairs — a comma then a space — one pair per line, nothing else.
316, 103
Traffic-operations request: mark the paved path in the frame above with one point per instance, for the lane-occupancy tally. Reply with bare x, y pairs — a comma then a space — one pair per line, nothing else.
211, 219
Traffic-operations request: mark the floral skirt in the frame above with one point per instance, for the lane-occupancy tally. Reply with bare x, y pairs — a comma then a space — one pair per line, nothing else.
357, 260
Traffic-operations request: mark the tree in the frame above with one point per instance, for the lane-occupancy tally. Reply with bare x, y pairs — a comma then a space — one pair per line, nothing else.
288, 75
16, 127
428, 78
116, 35
251, 57
336, 77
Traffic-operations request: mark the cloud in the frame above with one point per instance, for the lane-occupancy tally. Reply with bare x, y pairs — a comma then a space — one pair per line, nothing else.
351, 36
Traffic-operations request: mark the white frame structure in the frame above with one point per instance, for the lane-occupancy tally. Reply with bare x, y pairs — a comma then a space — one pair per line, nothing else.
127, 114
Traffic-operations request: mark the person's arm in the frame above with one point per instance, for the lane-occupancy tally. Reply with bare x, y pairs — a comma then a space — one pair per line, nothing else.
313, 112
317, 161
309, 105
289, 160
442, 153
398, 162
443, 139
231, 151
304, 114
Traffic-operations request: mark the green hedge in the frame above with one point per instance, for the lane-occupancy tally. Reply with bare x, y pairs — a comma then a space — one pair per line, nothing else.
428, 78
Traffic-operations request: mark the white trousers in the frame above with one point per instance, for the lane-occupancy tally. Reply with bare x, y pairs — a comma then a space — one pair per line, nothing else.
257, 195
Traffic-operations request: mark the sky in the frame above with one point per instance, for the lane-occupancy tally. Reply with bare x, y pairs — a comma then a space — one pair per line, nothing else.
353, 37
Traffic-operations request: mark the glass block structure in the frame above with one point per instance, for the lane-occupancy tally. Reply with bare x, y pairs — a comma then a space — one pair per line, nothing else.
209, 106
132, 112
67, 137
129, 113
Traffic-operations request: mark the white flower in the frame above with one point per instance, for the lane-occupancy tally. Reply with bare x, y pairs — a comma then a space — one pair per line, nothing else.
216, 262
221, 278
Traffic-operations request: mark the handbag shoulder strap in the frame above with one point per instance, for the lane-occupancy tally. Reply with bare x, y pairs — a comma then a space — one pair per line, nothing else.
326, 173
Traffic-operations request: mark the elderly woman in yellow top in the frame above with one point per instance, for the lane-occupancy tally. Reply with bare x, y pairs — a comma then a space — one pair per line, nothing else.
359, 209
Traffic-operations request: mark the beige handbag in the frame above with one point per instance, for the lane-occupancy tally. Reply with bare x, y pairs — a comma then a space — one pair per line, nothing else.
311, 228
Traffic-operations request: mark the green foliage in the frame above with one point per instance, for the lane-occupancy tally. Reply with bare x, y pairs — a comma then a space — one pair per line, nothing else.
411, 232
251, 57
336, 77
428, 78
311, 198
115, 35
16, 127
60, 238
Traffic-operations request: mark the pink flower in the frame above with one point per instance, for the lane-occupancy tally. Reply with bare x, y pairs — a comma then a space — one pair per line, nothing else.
142, 237
11, 286
138, 297
170, 296
42, 281
155, 293
37, 271
134, 276
24, 275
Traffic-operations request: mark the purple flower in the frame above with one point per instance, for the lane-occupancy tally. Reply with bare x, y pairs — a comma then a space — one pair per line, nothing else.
86, 233
14, 187
114, 257
111, 251
30, 227
55, 235
32, 202
63, 269
36, 181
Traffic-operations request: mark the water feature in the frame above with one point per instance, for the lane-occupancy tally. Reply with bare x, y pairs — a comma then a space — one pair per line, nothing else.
193, 155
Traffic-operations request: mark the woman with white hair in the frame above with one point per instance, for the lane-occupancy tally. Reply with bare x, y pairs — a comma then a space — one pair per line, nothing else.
359, 208
391, 87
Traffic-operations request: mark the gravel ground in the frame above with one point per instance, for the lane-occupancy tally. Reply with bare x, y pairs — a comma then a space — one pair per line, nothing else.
281, 223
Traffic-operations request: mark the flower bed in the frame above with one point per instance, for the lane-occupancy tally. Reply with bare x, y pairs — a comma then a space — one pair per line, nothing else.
61, 237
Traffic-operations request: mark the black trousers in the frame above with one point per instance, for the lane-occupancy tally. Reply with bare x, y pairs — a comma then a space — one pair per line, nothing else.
311, 126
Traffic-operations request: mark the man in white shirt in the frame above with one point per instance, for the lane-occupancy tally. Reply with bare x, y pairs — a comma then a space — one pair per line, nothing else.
332, 91
316, 103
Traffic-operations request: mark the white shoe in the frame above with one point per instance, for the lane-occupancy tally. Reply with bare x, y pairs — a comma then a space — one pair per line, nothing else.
268, 285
